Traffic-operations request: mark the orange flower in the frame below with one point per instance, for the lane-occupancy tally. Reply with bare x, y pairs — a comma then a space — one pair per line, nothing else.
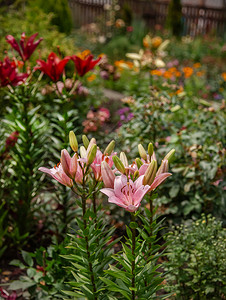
91, 77
173, 70
178, 74
84, 54
122, 64
156, 42
179, 91
156, 72
200, 73
119, 23
223, 75
197, 65
167, 74
187, 72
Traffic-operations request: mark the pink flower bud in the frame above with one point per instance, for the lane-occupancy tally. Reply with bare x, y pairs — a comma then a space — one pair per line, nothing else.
69, 164
108, 175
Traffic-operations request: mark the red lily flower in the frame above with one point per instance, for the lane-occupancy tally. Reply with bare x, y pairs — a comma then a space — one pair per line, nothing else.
27, 45
83, 66
7, 296
9, 75
54, 66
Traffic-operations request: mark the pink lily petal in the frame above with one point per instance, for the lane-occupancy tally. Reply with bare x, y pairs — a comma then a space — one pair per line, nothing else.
158, 180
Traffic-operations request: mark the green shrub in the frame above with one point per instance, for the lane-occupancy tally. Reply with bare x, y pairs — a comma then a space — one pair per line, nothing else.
197, 259
61, 13
31, 20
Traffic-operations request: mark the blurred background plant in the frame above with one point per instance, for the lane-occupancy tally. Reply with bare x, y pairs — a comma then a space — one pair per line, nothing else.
196, 259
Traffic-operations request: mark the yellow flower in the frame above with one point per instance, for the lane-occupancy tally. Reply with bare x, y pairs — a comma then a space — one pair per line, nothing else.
91, 77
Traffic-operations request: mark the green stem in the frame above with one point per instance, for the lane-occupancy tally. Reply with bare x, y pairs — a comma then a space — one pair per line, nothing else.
151, 211
87, 242
133, 254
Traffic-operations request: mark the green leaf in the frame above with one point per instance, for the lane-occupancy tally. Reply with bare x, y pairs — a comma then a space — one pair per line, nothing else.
20, 125
17, 285
133, 225
27, 258
174, 191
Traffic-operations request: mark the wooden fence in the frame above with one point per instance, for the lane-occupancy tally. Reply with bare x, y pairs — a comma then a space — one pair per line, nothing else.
197, 20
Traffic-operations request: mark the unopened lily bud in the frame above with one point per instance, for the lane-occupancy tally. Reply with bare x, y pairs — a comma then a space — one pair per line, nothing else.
150, 173
150, 149
91, 143
110, 148
83, 152
108, 175
85, 141
136, 174
118, 164
163, 167
123, 158
73, 141
69, 164
142, 152
138, 163
92, 154
170, 155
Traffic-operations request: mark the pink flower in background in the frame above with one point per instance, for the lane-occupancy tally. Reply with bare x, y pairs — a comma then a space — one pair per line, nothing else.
27, 45
126, 193
96, 119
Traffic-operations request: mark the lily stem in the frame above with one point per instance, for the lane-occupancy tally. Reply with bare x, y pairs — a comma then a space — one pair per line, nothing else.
133, 254
87, 242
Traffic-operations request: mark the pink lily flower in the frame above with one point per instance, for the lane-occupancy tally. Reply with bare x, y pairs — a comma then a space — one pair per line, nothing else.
158, 180
58, 173
126, 193
96, 165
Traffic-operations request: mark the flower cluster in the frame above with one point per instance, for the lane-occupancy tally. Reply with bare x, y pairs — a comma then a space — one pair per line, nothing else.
54, 67
125, 115
125, 185
108, 71
9, 73
95, 119
173, 73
